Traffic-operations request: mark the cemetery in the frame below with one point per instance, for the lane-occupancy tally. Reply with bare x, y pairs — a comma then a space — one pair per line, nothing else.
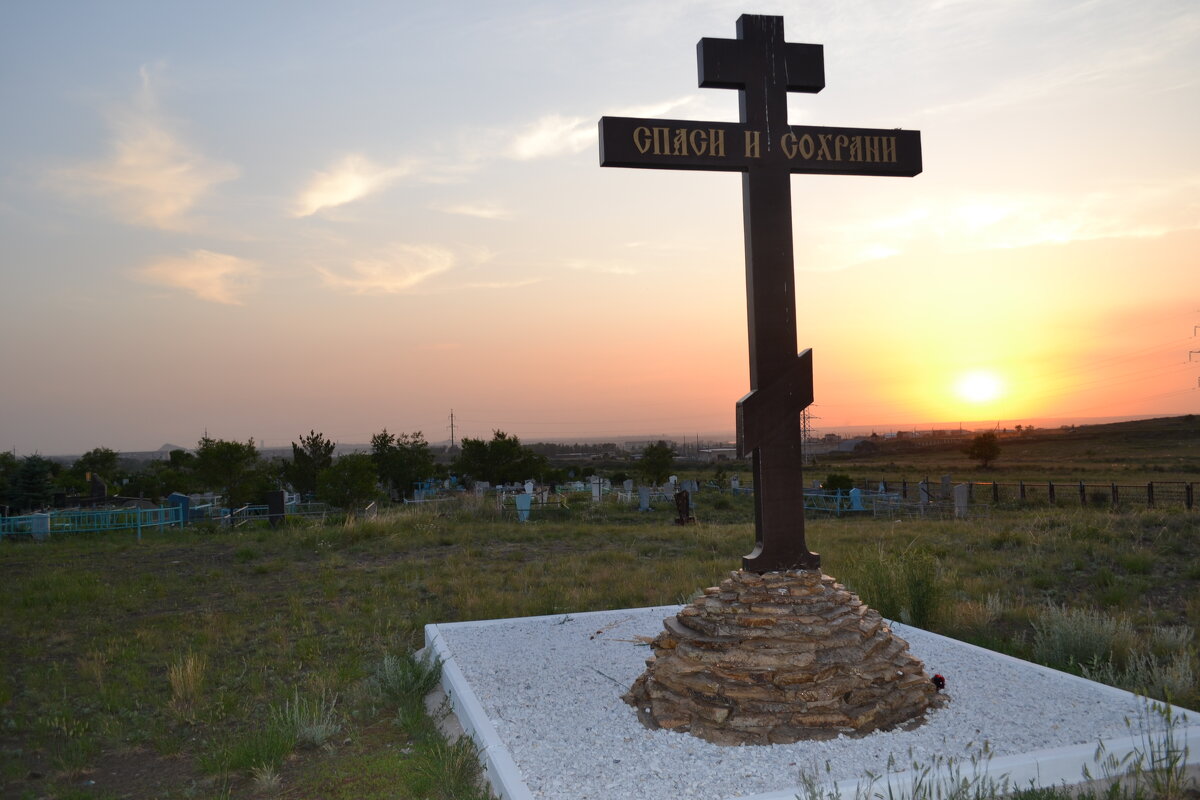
321, 630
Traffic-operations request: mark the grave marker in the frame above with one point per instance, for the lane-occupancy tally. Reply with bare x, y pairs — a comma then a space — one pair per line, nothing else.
763, 68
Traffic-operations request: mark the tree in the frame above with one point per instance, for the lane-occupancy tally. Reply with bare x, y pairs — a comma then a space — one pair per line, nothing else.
232, 468
309, 458
349, 483
156, 480
8, 473
655, 464
401, 460
100, 462
502, 460
984, 448
30, 485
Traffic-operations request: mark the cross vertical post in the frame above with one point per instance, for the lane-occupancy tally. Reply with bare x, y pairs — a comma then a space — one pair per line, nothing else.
763, 68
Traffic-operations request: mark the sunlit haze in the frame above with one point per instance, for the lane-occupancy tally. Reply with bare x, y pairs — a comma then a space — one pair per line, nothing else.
259, 219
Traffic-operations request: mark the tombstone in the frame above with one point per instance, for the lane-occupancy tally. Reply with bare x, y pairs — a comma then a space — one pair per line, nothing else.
628, 485
945, 488
683, 506
923, 488
524, 502
691, 485
856, 501
735, 483
39, 526
481, 488
643, 498
276, 507
97, 489
763, 68
962, 500
529, 487
183, 503
882, 487
597, 489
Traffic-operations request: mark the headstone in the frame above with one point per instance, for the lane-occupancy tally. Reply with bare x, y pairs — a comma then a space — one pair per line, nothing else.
183, 503
735, 483
856, 501
628, 484
763, 68
643, 498
276, 507
597, 489
923, 488
39, 526
683, 507
524, 501
945, 488
962, 500
528, 487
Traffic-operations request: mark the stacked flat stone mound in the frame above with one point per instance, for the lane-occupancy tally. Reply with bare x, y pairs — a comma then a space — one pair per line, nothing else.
776, 658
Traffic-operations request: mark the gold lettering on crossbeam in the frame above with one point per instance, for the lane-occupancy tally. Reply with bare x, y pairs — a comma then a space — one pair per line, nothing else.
663, 141
839, 147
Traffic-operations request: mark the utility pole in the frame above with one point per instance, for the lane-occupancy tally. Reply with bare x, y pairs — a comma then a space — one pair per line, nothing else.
452, 429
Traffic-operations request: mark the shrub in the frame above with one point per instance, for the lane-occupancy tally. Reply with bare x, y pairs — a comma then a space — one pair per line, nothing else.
312, 722
834, 482
1069, 638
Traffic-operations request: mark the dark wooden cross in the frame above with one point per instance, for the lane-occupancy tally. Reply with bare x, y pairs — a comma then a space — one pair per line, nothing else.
766, 150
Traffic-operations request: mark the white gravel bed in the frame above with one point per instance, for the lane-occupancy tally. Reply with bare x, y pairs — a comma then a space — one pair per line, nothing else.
551, 687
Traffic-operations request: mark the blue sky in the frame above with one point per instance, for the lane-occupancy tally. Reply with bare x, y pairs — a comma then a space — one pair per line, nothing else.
262, 218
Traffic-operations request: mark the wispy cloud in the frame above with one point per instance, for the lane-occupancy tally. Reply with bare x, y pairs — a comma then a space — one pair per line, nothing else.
516, 284
482, 211
556, 135
352, 178
553, 135
216, 277
602, 267
399, 268
151, 177
1000, 221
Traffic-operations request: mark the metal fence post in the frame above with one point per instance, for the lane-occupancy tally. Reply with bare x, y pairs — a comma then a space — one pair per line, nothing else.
1115, 498
1082, 495
1050, 491
1150, 494
1187, 496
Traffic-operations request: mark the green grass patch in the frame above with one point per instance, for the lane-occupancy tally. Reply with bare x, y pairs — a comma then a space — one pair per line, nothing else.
210, 654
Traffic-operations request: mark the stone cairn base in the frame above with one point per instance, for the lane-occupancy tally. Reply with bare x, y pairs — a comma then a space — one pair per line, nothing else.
780, 657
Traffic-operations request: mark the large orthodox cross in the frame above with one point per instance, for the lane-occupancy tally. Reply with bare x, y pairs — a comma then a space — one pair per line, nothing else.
766, 150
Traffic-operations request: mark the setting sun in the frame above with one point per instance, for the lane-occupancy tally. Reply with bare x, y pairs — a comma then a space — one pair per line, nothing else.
979, 386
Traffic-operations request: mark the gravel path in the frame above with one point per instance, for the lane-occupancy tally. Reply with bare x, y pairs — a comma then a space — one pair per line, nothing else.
551, 687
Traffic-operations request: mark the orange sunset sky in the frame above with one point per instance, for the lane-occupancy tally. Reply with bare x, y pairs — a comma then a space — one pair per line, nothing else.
261, 219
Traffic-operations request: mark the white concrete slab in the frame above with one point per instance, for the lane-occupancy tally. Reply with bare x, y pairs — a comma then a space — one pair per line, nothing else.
512, 776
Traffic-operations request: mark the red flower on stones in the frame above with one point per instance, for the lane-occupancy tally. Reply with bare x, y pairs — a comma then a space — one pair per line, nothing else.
939, 682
